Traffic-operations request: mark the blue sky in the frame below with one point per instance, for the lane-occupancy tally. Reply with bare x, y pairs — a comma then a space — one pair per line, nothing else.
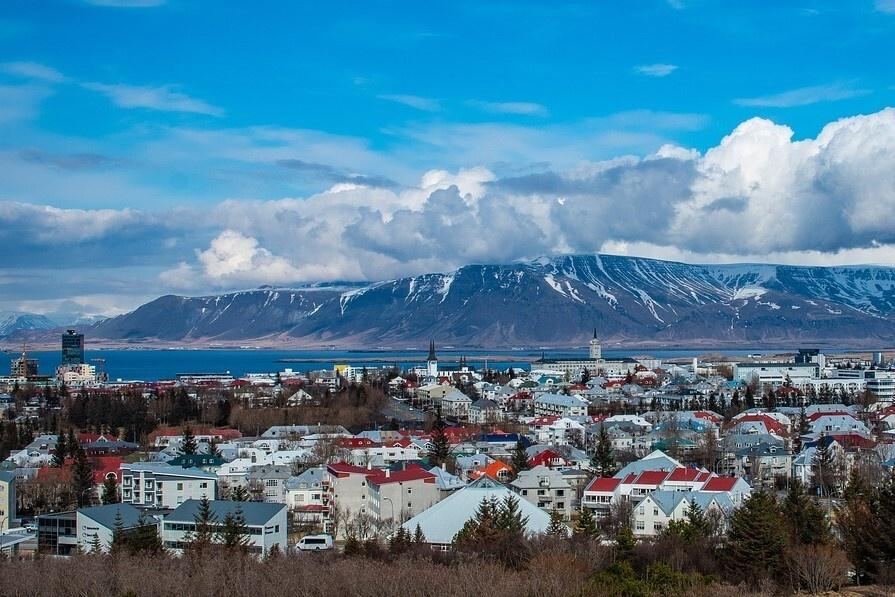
186, 146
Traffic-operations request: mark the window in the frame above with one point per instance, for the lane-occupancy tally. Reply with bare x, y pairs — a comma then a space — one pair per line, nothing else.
409, 490
560, 492
639, 525
655, 511
203, 485
180, 487
641, 510
409, 505
658, 526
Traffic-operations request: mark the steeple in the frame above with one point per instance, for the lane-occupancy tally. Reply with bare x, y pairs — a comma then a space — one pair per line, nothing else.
432, 356
596, 351
595, 333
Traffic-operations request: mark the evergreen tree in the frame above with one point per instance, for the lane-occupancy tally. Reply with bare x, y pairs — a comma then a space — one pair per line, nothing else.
624, 543
858, 525
807, 522
189, 444
509, 516
418, 536
118, 537
400, 541
750, 398
603, 459
520, 458
82, 480
586, 525
145, 538
59, 452
205, 531
697, 525
440, 445
96, 547
110, 491
556, 528
214, 450
234, 532
756, 540
71, 444
239, 494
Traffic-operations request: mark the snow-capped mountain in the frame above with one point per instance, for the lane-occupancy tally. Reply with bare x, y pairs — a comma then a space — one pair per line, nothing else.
13, 321
548, 301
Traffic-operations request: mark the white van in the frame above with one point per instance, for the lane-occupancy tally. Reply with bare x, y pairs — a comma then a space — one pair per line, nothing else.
315, 543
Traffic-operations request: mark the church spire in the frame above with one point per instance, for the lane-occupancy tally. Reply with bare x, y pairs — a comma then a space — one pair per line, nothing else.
595, 333
432, 356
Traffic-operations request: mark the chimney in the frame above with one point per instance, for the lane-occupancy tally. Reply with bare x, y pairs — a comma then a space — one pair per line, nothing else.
369, 465
444, 466
388, 473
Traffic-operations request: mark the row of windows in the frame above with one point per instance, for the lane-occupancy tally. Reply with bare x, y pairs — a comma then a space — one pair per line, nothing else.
189, 527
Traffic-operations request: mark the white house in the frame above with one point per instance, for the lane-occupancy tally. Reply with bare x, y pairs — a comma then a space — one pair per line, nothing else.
545, 488
96, 525
156, 485
265, 523
560, 405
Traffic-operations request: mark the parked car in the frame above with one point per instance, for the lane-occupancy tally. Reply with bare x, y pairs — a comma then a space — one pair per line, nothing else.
315, 543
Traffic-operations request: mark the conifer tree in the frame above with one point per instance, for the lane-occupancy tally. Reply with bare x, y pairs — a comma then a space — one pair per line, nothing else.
82, 480
520, 458
624, 543
145, 538
418, 536
697, 525
440, 450
603, 459
59, 452
189, 445
239, 494
824, 469
857, 524
234, 532
806, 520
118, 537
756, 541
205, 527
110, 491
71, 444
586, 525
556, 528
509, 516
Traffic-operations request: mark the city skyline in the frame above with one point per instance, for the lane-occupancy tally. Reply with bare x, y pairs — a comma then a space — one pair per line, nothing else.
162, 147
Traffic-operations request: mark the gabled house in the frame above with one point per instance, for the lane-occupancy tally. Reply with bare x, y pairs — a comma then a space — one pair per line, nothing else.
265, 523
545, 488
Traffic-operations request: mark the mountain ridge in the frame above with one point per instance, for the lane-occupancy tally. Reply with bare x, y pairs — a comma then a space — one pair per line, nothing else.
555, 301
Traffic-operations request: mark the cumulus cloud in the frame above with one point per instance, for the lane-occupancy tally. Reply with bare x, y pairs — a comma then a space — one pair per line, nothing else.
165, 98
233, 258
757, 195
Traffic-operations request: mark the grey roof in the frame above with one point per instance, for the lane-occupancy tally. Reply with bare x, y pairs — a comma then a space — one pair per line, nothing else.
655, 461
313, 477
445, 480
160, 468
560, 400
269, 471
256, 513
484, 403
105, 515
10, 539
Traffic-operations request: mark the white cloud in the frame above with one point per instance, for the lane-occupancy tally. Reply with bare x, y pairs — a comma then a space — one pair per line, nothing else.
656, 70
425, 104
804, 96
521, 108
233, 258
164, 98
33, 70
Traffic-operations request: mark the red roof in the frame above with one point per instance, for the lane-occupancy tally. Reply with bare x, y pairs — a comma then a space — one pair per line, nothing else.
650, 478
546, 458
684, 474
411, 473
312, 508
720, 484
770, 423
103, 465
550, 420
343, 468
604, 484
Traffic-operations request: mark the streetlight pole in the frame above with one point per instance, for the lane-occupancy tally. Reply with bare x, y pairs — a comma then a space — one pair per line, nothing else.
392, 504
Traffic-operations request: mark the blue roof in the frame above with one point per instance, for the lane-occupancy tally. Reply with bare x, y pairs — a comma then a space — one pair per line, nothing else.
105, 515
7, 477
255, 513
